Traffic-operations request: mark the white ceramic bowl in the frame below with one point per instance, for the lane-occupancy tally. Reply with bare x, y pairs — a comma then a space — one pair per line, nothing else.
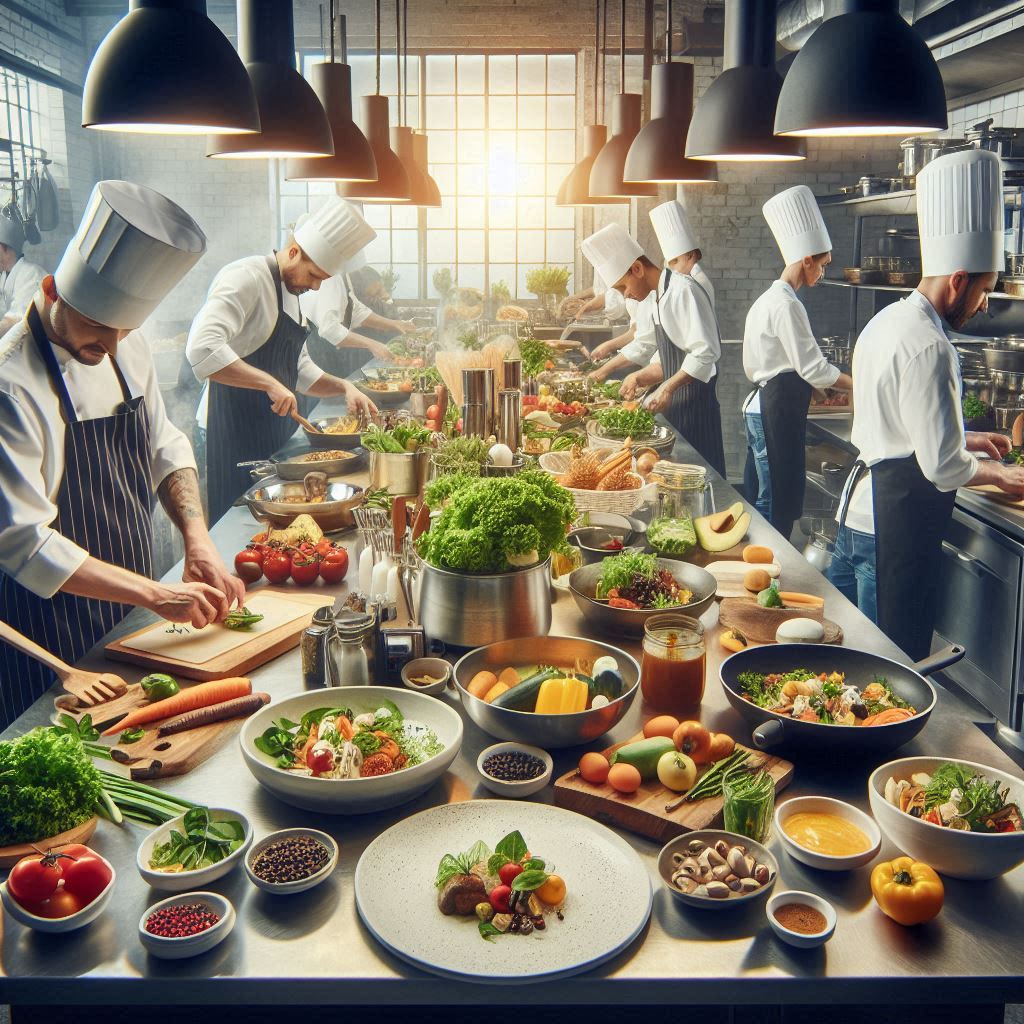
353, 796
432, 667
179, 881
60, 924
973, 855
515, 789
826, 805
798, 939
190, 945
710, 836
288, 888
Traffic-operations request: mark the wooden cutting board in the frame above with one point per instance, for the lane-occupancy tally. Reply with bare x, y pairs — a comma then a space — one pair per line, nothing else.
995, 494
215, 652
160, 757
730, 576
644, 811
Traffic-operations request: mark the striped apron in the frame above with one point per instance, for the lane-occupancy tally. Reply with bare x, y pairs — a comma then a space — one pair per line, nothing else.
240, 425
341, 362
104, 504
693, 409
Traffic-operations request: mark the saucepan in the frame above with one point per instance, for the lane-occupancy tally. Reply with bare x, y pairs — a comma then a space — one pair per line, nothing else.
297, 466
771, 729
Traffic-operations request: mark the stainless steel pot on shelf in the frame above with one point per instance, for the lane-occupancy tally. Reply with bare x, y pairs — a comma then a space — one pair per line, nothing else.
919, 152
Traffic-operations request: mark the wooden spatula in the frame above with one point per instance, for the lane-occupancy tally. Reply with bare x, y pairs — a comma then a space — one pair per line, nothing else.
88, 688
299, 418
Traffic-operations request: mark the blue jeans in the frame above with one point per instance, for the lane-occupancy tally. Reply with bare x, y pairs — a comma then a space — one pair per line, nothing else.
853, 569
759, 448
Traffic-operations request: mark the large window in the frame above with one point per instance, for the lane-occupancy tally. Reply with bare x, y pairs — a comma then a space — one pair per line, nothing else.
19, 134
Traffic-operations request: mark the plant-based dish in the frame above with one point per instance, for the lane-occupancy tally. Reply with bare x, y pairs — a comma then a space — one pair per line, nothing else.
336, 743
635, 581
825, 833
546, 690
825, 698
956, 796
508, 891
718, 871
202, 842
60, 882
624, 421
672, 535
332, 455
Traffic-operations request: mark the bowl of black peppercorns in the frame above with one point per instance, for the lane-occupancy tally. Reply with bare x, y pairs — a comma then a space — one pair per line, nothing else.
292, 860
514, 769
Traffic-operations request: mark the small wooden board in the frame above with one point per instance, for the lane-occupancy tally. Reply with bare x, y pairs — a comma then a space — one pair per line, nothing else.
10, 855
729, 575
644, 811
761, 624
160, 757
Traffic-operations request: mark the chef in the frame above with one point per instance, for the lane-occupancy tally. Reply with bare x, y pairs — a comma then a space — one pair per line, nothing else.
907, 422
85, 442
781, 357
635, 347
249, 342
19, 279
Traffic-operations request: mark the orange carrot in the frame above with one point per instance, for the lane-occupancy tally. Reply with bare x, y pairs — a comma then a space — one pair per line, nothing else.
200, 696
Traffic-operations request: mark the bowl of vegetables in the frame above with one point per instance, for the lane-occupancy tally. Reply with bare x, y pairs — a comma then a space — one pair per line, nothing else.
399, 457
611, 427
962, 818
622, 592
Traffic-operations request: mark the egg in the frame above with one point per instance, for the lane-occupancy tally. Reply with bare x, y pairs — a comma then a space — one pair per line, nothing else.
603, 664
800, 631
500, 455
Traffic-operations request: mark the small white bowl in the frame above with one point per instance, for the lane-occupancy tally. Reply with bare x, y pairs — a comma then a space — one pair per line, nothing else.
514, 789
798, 939
432, 667
60, 924
287, 888
190, 945
826, 805
179, 881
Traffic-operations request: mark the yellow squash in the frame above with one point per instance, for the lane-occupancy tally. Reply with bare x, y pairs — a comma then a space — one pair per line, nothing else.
562, 696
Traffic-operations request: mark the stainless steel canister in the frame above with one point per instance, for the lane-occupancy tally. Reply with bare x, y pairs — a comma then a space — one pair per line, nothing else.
311, 648
475, 422
513, 374
478, 386
510, 418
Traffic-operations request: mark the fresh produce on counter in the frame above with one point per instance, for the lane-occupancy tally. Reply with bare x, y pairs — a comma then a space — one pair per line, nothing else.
547, 690
303, 529
672, 535
203, 841
301, 562
906, 890
59, 882
159, 686
553, 405
722, 530
626, 420
589, 470
194, 697
460, 455
634, 580
758, 554
402, 437
239, 707
181, 920
733, 640
718, 871
536, 355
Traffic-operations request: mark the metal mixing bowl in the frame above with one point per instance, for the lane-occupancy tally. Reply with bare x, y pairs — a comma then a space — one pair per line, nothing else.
319, 439
266, 503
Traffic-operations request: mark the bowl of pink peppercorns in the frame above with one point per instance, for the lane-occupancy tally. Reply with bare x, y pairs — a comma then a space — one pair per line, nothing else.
186, 925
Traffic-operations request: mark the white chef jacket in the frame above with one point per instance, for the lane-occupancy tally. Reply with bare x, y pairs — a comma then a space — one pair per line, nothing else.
326, 308
644, 344
690, 322
32, 447
614, 303
906, 401
18, 287
237, 319
705, 282
777, 337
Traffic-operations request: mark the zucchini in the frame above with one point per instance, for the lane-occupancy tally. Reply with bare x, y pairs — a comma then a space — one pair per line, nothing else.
523, 696
644, 755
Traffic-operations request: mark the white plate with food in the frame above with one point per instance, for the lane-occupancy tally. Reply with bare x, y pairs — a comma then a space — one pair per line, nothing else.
442, 844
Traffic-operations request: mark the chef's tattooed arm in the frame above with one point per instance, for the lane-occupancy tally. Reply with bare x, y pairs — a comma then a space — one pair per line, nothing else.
179, 495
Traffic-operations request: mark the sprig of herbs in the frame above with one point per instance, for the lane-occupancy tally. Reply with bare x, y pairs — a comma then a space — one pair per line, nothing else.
204, 842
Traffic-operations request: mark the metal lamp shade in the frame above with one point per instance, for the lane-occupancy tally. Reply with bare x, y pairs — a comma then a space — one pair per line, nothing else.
353, 158
656, 154
864, 71
606, 176
392, 184
403, 144
575, 189
166, 68
431, 193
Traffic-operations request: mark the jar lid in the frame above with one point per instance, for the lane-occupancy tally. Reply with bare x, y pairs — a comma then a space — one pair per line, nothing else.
679, 474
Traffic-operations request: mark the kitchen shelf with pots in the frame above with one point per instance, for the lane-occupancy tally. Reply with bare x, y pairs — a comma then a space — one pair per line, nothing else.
894, 288
897, 204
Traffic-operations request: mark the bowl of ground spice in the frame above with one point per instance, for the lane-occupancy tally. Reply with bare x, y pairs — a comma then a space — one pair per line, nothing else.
801, 918
292, 860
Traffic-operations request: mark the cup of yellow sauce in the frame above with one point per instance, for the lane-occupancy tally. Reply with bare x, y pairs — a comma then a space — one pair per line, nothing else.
827, 834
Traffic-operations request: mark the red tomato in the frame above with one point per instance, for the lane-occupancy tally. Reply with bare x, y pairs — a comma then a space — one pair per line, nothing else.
249, 565
334, 565
277, 567
305, 570
434, 412
74, 850
324, 545
509, 871
499, 898
63, 903
86, 876
432, 425
34, 878
321, 760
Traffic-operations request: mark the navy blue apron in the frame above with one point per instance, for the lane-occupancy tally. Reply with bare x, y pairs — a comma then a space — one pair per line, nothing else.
784, 403
341, 362
104, 504
693, 409
240, 424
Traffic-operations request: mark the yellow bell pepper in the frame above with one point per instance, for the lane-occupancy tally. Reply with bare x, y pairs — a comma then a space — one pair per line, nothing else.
907, 891
562, 696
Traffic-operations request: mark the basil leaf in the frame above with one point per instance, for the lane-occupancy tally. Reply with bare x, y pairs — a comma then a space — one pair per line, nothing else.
512, 846
447, 869
487, 931
478, 852
496, 862
527, 881
533, 864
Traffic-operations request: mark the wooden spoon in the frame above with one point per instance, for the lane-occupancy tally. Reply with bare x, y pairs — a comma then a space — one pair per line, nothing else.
299, 418
88, 688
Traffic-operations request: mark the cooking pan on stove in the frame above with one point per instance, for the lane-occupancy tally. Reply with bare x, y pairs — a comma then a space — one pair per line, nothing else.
772, 730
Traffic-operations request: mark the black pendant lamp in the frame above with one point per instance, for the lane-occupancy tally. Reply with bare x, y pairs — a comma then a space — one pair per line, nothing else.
864, 71
606, 176
735, 118
353, 158
292, 121
166, 68
392, 184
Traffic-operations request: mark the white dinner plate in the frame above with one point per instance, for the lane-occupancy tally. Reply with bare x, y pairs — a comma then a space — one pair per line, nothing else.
396, 898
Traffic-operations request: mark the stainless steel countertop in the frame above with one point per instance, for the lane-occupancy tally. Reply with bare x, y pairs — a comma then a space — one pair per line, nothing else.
312, 948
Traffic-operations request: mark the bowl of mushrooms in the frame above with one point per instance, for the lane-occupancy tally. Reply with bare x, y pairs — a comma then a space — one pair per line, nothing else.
713, 870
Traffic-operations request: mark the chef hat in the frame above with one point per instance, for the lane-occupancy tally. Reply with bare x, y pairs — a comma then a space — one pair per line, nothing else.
960, 213
797, 224
355, 263
11, 233
672, 226
333, 233
611, 252
132, 246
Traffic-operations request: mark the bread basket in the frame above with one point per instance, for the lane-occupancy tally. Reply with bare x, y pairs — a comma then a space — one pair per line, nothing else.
623, 502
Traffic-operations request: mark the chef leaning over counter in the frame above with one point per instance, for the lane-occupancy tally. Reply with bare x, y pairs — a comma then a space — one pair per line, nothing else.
19, 278
249, 342
907, 422
86, 442
781, 357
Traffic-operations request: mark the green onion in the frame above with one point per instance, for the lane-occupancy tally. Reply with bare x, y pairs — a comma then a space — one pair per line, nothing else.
711, 782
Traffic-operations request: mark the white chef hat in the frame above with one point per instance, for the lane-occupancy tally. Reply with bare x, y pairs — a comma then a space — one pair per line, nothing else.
333, 233
673, 228
611, 252
132, 246
797, 224
355, 263
960, 213
12, 234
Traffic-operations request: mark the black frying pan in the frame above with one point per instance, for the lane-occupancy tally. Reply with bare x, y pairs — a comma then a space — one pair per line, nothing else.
860, 668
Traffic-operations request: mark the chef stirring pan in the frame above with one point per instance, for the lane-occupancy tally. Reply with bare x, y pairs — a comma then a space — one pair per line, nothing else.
860, 668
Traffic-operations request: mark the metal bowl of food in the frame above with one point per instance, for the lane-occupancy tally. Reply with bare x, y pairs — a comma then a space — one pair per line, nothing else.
630, 621
599, 542
335, 432
281, 501
662, 440
568, 653
385, 392
332, 462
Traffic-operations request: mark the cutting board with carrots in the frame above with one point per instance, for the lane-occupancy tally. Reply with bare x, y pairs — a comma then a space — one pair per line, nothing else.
644, 811
215, 652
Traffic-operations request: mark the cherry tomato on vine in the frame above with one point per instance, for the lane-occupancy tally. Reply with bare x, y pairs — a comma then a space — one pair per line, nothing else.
86, 876
34, 878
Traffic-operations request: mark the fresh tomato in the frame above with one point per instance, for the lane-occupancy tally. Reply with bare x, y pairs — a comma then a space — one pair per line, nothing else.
334, 565
277, 567
432, 425
499, 898
552, 892
434, 412
324, 545
63, 903
86, 876
305, 570
34, 878
320, 760
249, 565
74, 850
509, 871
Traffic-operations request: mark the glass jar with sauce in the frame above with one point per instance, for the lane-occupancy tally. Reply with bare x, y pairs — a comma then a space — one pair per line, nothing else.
684, 491
673, 662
